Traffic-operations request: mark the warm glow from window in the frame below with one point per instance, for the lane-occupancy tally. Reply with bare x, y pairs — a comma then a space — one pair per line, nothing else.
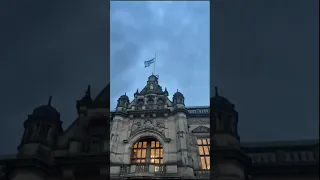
204, 152
147, 151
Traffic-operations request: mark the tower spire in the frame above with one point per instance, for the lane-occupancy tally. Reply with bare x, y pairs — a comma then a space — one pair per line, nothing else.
49, 101
216, 91
88, 92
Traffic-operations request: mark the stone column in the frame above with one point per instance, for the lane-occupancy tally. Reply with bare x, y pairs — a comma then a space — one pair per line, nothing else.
183, 151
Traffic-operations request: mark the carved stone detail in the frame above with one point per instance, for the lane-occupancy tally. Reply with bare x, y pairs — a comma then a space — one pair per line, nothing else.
190, 141
160, 126
135, 126
180, 134
147, 124
201, 129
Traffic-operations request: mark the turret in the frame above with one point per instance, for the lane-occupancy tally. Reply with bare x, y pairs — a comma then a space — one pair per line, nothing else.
182, 133
226, 144
226, 117
178, 100
123, 103
42, 129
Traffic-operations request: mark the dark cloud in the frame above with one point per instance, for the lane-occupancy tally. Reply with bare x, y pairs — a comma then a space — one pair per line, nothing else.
265, 60
49, 48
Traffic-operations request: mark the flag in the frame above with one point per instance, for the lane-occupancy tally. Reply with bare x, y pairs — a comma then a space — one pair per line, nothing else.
148, 63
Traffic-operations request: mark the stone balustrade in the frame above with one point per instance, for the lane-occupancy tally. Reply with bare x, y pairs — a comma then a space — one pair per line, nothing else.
142, 168
283, 157
202, 174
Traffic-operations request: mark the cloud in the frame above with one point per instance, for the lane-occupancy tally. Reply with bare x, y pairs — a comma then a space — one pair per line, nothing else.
178, 32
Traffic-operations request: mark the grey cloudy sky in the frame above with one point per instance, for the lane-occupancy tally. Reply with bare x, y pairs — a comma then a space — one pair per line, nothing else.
178, 32
49, 48
264, 59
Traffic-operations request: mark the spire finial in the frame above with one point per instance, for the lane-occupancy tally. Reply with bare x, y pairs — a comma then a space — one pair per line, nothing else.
177, 90
49, 102
88, 90
216, 91
125, 93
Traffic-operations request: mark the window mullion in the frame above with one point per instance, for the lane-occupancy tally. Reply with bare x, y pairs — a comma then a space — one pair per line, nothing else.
148, 153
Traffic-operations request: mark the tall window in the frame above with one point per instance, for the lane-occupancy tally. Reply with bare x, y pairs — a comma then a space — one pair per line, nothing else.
147, 151
204, 152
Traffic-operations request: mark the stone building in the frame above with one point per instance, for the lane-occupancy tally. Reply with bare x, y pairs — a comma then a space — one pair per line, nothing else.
152, 137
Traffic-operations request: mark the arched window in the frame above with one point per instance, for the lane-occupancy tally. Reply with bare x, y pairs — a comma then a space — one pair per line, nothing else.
204, 152
147, 151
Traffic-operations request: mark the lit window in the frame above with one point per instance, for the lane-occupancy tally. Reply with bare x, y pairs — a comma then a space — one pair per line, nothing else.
147, 151
204, 152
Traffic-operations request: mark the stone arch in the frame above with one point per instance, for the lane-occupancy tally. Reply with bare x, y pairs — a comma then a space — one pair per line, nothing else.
152, 134
145, 134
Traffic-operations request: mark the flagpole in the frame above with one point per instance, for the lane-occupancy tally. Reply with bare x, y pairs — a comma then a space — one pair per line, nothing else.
154, 64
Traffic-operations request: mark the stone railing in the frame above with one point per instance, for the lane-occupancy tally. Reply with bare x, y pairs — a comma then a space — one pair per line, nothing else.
154, 168
202, 174
160, 168
124, 169
142, 168
283, 157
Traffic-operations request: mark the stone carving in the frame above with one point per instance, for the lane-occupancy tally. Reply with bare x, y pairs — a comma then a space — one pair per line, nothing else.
135, 126
190, 141
180, 134
160, 101
189, 154
198, 121
160, 126
114, 137
120, 159
149, 106
148, 123
201, 129
140, 102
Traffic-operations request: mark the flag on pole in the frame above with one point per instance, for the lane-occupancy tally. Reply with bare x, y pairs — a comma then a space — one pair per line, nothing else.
148, 63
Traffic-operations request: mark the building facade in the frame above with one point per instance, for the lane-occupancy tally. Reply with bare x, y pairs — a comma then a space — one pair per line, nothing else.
152, 137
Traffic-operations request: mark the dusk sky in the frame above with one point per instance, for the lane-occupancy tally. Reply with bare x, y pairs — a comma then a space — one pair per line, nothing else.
264, 58
178, 32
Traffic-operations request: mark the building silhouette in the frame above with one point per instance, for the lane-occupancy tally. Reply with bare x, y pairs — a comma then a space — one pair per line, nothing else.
152, 137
